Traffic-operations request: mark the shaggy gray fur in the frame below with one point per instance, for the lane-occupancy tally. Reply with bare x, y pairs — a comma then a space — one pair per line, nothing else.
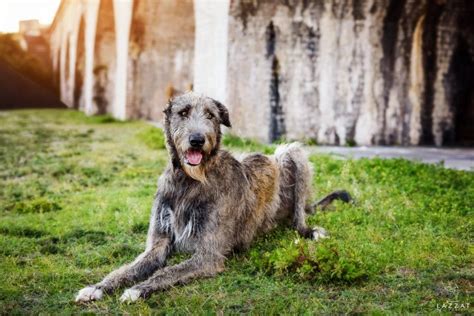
213, 207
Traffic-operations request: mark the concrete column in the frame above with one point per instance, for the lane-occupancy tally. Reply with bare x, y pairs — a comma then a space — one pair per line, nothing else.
91, 11
75, 20
417, 82
123, 18
210, 54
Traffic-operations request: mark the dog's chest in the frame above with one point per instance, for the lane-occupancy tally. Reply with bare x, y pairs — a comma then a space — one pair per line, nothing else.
184, 218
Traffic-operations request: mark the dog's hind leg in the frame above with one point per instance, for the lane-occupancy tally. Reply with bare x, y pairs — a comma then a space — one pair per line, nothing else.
301, 192
295, 186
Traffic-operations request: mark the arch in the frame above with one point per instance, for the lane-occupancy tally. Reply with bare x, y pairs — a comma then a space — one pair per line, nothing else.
461, 77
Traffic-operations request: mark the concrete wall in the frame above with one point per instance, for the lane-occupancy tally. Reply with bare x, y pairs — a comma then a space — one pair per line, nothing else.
339, 72
161, 55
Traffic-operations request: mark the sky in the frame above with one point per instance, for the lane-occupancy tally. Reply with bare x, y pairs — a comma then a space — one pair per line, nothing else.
13, 11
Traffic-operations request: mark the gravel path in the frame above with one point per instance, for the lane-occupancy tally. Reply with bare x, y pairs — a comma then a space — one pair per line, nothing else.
454, 158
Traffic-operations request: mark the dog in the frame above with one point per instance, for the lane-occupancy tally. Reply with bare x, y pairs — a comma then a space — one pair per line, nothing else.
210, 203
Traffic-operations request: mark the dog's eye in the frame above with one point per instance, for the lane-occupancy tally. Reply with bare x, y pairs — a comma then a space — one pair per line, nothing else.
209, 115
183, 113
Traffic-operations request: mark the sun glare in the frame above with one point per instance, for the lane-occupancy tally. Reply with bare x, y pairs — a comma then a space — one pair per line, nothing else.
14, 11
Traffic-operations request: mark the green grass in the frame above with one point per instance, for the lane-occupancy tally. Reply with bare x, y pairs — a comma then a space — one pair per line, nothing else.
75, 194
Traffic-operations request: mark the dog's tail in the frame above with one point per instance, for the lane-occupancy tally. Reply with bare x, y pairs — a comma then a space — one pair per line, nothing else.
328, 199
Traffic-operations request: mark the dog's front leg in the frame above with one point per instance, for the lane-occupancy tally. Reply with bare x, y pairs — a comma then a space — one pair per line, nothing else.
195, 267
158, 246
141, 268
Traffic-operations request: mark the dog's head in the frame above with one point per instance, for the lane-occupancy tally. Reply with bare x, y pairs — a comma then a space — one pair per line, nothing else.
193, 132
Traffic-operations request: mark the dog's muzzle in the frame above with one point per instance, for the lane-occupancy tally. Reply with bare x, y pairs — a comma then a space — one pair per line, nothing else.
193, 156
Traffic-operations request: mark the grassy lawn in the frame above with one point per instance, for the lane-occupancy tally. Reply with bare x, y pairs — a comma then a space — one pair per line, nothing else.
75, 195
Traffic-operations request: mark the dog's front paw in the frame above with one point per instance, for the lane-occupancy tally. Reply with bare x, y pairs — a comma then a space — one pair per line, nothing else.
319, 233
90, 293
130, 295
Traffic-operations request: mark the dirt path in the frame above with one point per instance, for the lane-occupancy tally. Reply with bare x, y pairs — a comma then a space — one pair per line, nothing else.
454, 158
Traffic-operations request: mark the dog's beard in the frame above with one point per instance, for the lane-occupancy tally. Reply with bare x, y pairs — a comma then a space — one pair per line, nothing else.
193, 163
198, 172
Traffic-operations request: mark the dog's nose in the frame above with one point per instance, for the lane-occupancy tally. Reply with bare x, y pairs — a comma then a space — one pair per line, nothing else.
197, 140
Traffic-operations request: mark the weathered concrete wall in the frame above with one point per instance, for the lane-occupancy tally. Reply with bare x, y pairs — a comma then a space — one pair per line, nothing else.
344, 71
339, 72
161, 55
211, 47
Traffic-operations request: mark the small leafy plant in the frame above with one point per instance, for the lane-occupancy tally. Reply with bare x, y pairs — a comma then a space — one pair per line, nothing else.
310, 260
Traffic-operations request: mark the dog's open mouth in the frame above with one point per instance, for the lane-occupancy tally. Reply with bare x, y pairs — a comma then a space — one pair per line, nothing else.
193, 157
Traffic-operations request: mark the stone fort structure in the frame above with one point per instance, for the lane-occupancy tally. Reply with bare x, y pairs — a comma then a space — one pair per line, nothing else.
365, 72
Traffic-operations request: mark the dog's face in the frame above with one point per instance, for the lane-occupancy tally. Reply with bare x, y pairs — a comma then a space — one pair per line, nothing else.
192, 126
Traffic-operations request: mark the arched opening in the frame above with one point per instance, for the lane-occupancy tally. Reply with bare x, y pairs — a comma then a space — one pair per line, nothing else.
80, 65
104, 58
57, 72
66, 62
461, 77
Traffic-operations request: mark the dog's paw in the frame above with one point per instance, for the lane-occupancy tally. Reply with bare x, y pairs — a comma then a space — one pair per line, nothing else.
319, 233
90, 293
130, 295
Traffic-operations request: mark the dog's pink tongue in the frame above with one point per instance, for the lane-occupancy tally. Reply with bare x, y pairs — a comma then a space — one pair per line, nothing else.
194, 157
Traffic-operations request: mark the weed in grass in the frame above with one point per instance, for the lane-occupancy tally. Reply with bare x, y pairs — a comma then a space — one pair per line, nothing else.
307, 260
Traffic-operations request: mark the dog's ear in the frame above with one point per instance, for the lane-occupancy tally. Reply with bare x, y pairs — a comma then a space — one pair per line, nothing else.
223, 113
168, 107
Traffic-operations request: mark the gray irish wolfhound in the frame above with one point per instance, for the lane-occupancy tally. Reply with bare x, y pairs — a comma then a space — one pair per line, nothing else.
210, 203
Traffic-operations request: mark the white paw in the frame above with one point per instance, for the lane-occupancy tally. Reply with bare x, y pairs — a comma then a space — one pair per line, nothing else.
319, 233
90, 293
130, 295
